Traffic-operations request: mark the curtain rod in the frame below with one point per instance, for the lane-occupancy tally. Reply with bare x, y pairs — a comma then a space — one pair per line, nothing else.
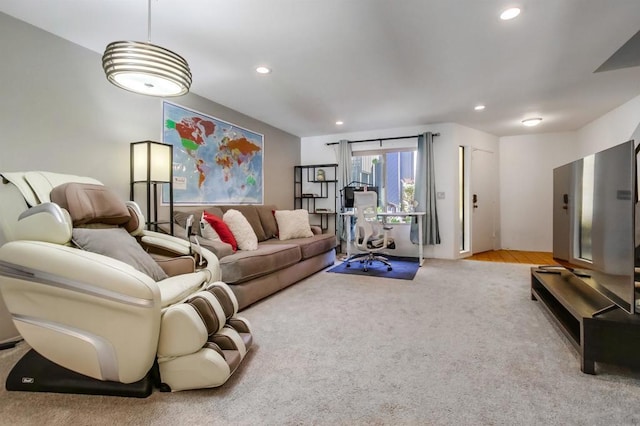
382, 139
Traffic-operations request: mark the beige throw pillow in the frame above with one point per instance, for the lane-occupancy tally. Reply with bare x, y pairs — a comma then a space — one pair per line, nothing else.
207, 231
293, 224
241, 230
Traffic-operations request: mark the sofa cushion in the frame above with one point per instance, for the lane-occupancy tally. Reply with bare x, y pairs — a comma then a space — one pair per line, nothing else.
310, 246
216, 211
180, 217
268, 220
217, 247
245, 265
251, 214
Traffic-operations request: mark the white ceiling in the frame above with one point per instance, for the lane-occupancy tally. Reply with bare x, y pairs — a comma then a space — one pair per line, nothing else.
377, 64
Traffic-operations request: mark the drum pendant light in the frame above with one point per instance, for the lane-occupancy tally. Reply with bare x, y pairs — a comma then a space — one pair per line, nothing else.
146, 68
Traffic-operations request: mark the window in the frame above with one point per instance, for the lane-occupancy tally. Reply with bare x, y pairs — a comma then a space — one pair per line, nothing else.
392, 173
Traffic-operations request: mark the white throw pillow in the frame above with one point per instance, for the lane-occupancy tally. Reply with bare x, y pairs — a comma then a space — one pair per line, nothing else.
293, 224
207, 231
241, 230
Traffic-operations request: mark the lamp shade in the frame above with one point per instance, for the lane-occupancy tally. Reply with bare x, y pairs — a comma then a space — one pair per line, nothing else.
151, 161
146, 69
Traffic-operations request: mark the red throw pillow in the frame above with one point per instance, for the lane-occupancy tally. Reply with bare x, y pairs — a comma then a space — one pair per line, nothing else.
222, 229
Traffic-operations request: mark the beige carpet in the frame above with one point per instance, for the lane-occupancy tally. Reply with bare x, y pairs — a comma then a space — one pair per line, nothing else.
461, 344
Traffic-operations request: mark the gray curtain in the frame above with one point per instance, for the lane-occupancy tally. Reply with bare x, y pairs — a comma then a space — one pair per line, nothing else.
343, 178
425, 193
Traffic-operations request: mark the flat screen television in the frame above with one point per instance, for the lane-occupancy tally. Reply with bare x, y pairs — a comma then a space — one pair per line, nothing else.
594, 222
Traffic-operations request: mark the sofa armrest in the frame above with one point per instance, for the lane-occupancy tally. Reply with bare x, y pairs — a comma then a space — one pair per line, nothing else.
316, 230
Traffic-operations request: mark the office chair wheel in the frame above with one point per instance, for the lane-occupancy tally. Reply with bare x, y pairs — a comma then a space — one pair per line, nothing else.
365, 269
348, 265
389, 268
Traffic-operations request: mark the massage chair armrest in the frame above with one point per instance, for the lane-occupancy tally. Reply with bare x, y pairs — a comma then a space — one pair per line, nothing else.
82, 310
173, 266
44, 222
171, 244
74, 269
166, 242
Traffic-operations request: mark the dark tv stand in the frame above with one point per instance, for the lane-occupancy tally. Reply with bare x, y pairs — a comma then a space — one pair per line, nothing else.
599, 330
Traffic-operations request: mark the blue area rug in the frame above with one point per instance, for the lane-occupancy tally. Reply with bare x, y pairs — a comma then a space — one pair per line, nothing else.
404, 268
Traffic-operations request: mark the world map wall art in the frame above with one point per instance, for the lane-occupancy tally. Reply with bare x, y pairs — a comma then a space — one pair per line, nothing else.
214, 162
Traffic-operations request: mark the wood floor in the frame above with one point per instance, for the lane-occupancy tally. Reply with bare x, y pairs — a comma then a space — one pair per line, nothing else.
515, 256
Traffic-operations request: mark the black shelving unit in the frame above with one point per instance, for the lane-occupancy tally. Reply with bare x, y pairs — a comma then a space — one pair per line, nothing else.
314, 190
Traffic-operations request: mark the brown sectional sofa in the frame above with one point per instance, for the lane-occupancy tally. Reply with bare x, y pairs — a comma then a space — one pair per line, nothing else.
276, 264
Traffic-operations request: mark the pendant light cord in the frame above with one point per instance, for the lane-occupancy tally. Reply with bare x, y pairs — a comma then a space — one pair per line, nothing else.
149, 22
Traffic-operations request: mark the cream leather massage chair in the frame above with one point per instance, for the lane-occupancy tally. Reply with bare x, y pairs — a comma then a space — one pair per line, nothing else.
107, 306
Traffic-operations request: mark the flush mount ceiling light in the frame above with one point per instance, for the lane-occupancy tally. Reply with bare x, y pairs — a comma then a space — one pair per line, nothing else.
339, 123
510, 13
146, 68
263, 70
530, 122
479, 107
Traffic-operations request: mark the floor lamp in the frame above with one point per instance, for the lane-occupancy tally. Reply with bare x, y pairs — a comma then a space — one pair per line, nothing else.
152, 164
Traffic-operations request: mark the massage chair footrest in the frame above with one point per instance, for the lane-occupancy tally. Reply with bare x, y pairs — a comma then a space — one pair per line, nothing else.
34, 373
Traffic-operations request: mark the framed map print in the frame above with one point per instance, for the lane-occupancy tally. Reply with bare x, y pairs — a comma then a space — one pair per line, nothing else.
214, 161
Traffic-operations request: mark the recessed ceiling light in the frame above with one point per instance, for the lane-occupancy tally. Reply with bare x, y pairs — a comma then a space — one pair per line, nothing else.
510, 13
263, 70
479, 107
530, 122
339, 123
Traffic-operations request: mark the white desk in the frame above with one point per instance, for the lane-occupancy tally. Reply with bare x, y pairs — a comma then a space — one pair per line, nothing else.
416, 215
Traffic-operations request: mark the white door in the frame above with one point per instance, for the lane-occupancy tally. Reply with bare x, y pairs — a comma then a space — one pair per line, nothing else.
483, 200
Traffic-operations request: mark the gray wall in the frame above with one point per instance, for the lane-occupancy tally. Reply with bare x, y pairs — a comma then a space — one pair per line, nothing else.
59, 113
